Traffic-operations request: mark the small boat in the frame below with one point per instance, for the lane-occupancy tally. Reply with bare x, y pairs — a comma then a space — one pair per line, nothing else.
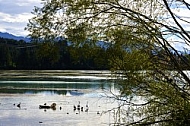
44, 106
52, 106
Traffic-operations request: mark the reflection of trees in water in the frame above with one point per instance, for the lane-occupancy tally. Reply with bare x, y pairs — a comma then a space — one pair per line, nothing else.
32, 91
56, 87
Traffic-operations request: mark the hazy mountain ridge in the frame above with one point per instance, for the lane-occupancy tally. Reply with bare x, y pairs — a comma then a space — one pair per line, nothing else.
11, 36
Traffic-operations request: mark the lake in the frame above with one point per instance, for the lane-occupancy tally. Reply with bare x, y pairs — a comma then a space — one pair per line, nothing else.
92, 90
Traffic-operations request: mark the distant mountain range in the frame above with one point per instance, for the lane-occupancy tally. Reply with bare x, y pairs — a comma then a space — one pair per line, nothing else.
27, 39
10, 36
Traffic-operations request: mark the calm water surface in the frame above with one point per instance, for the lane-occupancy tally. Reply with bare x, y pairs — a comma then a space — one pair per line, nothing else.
66, 89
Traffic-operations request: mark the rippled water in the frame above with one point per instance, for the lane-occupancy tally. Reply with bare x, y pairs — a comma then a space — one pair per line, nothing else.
66, 89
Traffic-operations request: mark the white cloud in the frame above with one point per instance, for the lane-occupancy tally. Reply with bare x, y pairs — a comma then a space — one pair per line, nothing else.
14, 15
15, 18
27, 2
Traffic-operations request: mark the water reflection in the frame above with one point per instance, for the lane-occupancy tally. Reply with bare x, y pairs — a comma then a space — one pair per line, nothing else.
32, 90
57, 81
52, 88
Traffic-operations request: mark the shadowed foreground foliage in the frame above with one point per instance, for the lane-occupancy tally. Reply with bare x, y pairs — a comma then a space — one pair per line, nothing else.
142, 37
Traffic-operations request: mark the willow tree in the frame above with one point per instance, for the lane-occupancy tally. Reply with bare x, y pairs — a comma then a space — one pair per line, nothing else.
142, 37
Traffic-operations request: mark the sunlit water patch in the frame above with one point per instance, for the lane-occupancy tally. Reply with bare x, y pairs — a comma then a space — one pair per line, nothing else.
89, 89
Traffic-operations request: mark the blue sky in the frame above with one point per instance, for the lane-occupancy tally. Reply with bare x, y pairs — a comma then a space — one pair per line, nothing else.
14, 15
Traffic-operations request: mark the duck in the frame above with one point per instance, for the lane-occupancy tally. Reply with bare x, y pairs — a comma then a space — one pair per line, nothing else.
18, 105
87, 104
87, 107
78, 106
53, 106
74, 107
98, 112
82, 109
86, 110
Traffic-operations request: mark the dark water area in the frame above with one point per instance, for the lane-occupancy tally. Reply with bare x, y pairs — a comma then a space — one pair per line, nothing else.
21, 93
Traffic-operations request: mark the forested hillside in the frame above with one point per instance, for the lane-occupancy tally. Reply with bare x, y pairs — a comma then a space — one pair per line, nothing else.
63, 55
51, 55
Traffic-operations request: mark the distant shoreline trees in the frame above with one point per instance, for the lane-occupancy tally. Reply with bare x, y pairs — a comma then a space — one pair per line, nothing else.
59, 55
50, 55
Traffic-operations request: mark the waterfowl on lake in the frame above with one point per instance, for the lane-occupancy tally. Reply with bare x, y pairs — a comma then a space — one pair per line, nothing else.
53, 104
78, 106
87, 107
74, 107
87, 104
86, 110
81, 108
19, 105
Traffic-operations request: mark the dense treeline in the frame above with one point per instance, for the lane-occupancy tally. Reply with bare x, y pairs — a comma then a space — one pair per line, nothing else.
63, 55
50, 55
